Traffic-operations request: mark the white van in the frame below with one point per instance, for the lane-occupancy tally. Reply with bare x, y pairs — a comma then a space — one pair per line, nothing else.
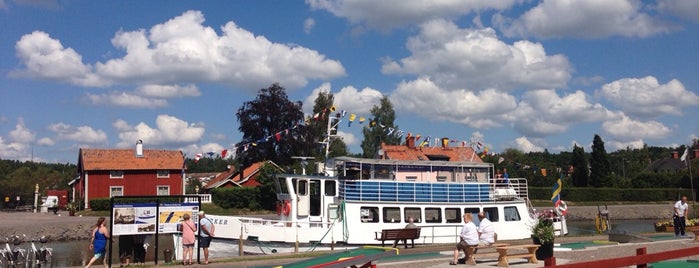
52, 203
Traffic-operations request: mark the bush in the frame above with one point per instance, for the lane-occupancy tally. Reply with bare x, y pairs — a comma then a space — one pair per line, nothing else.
239, 197
100, 204
610, 194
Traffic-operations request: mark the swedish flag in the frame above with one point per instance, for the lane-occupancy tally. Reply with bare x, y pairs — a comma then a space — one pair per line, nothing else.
556, 195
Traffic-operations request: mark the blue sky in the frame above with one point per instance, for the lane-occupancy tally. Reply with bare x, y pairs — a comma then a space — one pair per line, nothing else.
530, 75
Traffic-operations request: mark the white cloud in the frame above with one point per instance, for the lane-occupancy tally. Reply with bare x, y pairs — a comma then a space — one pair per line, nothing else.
82, 134
194, 149
618, 145
21, 133
168, 91
180, 51
584, 19
14, 150
168, 130
348, 98
308, 25
481, 109
348, 138
645, 97
687, 9
626, 129
523, 144
543, 112
388, 14
45, 141
477, 59
125, 99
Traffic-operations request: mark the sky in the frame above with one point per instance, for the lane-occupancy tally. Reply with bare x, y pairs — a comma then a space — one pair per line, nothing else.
524, 74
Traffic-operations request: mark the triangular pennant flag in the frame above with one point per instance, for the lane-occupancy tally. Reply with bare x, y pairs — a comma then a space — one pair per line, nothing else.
361, 119
278, 136
390, 131
343, 113
197, 157
224, 153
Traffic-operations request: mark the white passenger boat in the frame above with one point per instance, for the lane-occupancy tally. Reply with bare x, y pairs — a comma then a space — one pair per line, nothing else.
356, 197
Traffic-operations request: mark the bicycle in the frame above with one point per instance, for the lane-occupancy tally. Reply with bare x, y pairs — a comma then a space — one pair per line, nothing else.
14, 257
41, 257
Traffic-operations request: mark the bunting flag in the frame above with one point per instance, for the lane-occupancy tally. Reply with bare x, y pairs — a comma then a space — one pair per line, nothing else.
426, 142
278, 136
501, 159
361, 119
556, 192
390, 131
543, 172
224, 153
210, 154
343, 113
684, 156
485, 152
351, 119
445, 142
197, 157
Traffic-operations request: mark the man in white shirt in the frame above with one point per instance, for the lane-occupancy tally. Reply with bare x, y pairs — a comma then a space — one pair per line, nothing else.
469, 238
680, 216
486, 231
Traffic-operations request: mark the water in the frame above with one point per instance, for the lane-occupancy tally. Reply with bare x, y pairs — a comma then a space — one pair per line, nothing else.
577, 228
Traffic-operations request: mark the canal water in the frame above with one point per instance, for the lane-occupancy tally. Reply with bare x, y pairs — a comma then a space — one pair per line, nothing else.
77, 253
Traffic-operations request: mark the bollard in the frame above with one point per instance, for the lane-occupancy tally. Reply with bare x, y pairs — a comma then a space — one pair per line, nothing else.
168, 255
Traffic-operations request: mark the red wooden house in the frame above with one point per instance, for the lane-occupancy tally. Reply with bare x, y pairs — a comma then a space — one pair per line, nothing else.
232, 178
105, 173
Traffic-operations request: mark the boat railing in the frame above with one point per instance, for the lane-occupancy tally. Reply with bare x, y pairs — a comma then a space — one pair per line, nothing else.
400, 191
519, 185
205, 198
287, 223
429, 233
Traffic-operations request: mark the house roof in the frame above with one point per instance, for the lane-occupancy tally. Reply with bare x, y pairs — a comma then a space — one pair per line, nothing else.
446, 153
233, 176
666, 164
125, 159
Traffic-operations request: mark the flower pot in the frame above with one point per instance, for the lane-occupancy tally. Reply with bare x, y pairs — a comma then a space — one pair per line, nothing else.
544, 251
71, 213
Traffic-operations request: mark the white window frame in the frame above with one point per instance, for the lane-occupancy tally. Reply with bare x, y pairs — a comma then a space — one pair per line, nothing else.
112, 188
158, 175
113, 176
157, 190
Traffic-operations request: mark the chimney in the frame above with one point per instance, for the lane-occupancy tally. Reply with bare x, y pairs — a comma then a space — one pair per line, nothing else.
139, 148
410, 142
675, 155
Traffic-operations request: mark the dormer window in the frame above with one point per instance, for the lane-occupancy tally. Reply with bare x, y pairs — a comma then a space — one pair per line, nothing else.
163, 174
116, 174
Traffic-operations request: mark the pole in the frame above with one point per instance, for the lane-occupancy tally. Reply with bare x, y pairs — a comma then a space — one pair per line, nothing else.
36, 196
691, 185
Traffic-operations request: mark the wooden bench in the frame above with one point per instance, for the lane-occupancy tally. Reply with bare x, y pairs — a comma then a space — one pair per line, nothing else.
696, 235
505, 253
473, 253
397, 235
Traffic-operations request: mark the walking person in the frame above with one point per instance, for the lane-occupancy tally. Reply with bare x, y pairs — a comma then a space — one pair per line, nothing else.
680, 216
207, 232
98, 244
125, 250
188, 229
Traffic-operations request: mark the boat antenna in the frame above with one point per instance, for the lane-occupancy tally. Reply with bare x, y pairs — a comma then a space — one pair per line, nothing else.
304, 162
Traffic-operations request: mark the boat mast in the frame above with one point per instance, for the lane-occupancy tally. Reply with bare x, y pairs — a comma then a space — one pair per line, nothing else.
331, 132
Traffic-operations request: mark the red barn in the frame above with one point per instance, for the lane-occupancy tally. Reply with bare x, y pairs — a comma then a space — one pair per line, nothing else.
105, 173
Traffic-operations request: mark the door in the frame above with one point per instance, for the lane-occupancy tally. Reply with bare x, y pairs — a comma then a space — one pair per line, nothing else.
303, 201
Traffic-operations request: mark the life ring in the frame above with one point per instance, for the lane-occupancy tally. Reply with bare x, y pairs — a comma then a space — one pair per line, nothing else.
286, 208
562, 208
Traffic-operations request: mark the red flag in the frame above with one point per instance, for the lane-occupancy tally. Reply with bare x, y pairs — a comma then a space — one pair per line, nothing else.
278, 135
224, 153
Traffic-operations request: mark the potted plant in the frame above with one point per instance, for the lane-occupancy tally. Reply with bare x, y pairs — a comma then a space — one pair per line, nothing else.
543, 234
72, 207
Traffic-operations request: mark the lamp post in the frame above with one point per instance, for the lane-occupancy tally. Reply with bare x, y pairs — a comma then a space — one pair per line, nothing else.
36, 196
196, 189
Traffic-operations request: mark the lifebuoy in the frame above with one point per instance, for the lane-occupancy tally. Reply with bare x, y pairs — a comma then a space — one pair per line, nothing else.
562, 208
286, 208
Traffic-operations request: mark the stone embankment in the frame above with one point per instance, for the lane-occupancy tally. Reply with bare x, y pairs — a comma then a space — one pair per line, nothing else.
621, 212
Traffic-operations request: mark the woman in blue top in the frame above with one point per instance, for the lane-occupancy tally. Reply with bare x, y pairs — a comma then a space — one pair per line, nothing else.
100, 235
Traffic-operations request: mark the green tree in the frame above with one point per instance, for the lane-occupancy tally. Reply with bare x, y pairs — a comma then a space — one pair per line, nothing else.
324, 105
579, 162
260, 119
599, 164
384, 115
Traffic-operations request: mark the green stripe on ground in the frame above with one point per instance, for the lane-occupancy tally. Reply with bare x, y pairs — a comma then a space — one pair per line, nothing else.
675, 264
334, 257
586, 244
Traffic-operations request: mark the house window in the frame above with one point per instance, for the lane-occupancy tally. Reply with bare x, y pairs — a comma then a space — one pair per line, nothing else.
116, 191
163, 174
164, 190
116, 174
511, 214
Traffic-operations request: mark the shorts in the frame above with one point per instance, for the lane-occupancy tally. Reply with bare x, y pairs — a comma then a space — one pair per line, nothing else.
188, 245
462, 245
204, 241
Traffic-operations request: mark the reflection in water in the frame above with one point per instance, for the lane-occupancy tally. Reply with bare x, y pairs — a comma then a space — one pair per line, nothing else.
78, 253
630, 226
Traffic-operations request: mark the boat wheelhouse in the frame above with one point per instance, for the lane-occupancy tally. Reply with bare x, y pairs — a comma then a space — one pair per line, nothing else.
356, 197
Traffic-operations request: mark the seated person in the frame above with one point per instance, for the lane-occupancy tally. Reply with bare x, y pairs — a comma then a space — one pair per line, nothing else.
486, 231
469, 238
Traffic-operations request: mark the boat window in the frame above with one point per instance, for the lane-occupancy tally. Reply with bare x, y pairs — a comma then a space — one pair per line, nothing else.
411, 178
453, 215
369, 214
330, 188
441, 178
492, 214
511, 214
282, 186
391, 215
293, 184
474, 212
433, 215
414, 213
302, 187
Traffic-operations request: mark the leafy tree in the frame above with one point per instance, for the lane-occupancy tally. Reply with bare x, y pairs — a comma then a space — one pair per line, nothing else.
579, 162
323, 104
269, 113
599, 164
384, 115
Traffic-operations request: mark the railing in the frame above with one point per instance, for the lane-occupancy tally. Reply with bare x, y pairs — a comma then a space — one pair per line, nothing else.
392, 191
205, 198
518, 184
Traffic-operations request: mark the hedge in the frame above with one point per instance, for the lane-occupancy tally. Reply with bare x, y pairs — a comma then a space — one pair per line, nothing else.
610, 194
238, 197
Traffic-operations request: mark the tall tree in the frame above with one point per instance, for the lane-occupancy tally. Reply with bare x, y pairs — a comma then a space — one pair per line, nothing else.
324, 106
580, 173
384, 115
270, 113
599, 164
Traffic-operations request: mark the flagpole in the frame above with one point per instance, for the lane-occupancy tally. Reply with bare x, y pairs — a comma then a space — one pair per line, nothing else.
691, 182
